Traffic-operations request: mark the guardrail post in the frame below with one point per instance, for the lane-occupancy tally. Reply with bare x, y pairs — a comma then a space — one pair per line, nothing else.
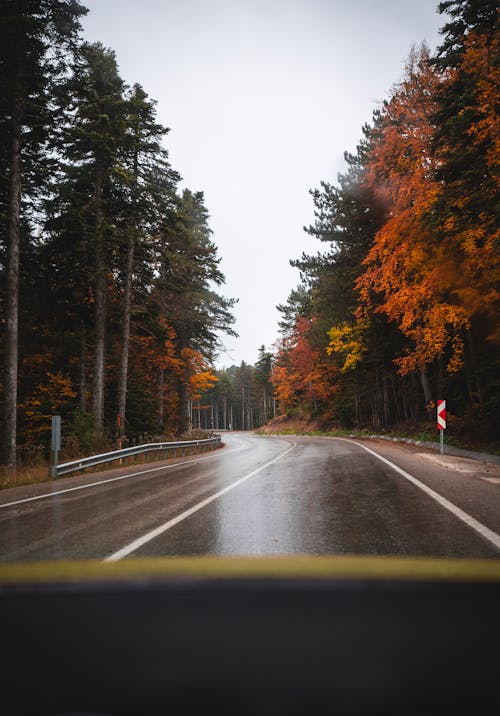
56, 443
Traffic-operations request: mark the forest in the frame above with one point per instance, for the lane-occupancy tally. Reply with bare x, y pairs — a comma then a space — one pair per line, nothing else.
110, 311
402, 306
110, 305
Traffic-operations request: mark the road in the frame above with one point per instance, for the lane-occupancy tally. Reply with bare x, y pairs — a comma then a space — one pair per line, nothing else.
261, 496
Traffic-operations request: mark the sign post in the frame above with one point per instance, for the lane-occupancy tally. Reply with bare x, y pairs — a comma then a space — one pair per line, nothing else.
441, 422
56, 442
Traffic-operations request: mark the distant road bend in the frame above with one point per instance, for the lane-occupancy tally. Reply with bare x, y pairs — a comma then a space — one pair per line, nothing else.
260, 496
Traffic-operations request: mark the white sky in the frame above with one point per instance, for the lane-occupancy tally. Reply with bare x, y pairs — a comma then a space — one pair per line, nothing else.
262, 98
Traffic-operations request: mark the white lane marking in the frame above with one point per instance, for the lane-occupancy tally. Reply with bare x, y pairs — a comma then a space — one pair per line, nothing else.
484, 531
141, 541
120, 477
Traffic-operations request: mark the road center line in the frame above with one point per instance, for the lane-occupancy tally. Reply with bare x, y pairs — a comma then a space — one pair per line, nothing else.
120, 477
136, 544
484, 531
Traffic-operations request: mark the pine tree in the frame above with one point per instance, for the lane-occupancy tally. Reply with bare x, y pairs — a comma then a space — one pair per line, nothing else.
188, 270
264, 389
144, 161
92, 144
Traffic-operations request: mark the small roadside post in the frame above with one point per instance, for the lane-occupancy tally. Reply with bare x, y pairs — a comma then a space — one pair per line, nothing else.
56, 443
441, 422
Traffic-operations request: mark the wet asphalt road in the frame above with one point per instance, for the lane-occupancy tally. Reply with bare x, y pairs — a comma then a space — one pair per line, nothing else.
255, 496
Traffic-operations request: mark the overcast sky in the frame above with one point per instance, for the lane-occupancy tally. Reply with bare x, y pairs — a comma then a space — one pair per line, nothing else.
262, 97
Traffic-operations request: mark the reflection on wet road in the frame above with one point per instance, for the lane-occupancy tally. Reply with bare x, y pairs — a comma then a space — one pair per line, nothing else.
256, 496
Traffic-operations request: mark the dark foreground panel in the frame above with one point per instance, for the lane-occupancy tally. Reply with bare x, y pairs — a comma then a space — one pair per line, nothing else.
248, 645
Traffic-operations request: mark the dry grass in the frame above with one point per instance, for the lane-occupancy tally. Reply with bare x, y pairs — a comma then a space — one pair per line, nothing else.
24, 475
285, 425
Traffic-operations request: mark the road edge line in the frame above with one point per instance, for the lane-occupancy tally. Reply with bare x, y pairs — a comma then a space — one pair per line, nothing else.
474, 524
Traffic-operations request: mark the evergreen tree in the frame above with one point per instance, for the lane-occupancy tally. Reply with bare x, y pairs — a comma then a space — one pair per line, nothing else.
264, 389
92, 145
188, 271
144, 160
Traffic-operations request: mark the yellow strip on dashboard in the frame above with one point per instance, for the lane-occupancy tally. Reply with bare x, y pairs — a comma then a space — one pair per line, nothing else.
256, 568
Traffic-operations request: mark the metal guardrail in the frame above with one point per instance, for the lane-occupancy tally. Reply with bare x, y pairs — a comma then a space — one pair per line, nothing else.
158, 449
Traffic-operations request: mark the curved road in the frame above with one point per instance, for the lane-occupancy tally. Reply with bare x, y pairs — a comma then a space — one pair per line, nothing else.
260, 496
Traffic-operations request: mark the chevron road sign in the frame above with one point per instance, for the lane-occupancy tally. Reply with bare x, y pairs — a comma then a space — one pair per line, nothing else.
441, 421
441, 414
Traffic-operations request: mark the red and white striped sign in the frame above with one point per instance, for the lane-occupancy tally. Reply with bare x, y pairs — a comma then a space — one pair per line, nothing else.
441, 414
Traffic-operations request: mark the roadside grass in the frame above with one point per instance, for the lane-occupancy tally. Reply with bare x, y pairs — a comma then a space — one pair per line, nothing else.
34, 474
334, 433
24, 475
423, 436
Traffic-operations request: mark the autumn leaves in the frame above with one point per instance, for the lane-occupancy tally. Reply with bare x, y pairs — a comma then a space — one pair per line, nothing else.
412, 281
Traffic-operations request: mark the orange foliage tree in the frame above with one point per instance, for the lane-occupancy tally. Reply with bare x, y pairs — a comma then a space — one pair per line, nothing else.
302, 375
153, 370
200, 376
410, 274
51, 396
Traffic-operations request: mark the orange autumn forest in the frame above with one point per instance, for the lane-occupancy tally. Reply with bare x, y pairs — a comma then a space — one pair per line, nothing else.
405, 302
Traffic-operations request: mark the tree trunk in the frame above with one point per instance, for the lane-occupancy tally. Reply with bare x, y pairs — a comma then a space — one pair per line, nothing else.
184, 403
426, 387
386, 401
127, 308
12, 295
161, 386
83, 372
475, 370
100, 310
356, 400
